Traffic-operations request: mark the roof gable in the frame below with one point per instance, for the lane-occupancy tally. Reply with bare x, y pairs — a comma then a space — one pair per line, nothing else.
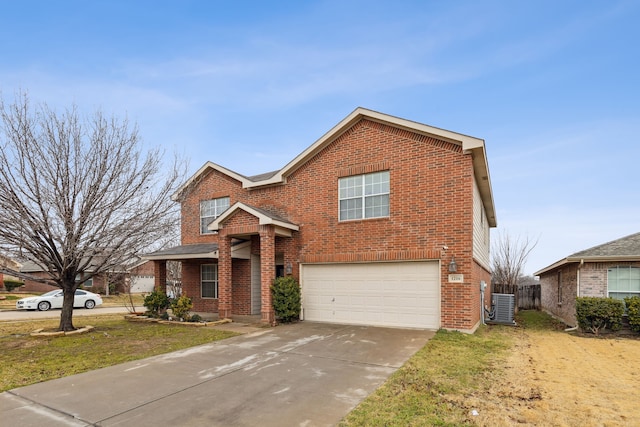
470, 145
264, 217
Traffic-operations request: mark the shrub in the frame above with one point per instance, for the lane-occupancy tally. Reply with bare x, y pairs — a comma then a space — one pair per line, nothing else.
594, 314
155, 302
195, 318
286, 298
10, 284
181, 307
633, 312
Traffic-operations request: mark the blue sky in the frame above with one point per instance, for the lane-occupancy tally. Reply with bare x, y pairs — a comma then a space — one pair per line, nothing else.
553, 87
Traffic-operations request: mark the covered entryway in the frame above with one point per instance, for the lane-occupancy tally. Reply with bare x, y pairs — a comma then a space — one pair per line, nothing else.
396, 294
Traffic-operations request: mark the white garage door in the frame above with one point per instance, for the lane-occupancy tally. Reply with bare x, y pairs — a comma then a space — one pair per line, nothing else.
398, 294
142, 284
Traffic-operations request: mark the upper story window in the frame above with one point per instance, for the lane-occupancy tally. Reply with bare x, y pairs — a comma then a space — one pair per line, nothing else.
364, 196
623, 282
210, 210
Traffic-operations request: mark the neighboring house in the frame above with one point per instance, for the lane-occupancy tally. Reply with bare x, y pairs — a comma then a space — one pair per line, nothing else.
95, 284
141, 278
10, 265
608, 270
139, 273
369, 219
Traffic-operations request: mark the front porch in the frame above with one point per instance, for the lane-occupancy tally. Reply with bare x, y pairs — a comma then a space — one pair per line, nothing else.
233, 276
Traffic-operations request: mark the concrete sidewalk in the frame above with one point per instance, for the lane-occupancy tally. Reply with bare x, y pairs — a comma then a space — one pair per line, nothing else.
302, 374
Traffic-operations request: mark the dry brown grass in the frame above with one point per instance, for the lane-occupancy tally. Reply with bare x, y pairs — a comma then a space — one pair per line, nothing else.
560, 379
532, 375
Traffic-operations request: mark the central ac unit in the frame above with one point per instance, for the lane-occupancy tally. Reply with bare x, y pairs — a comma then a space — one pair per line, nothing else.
504, 308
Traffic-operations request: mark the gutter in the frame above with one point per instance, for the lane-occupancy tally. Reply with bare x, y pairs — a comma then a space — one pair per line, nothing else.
578, 284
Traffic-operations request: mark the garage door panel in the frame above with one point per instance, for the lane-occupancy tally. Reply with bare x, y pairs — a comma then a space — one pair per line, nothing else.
404, 294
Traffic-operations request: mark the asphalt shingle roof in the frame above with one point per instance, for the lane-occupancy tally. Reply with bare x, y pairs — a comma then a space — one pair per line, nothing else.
202, 248
625, 246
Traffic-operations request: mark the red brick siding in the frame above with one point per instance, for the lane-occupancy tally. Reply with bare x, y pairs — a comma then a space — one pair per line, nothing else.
146, 269
431, 205
241, 287
191, 286
37, 287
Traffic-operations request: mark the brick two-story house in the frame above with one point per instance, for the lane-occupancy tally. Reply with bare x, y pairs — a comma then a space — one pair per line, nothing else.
383, 221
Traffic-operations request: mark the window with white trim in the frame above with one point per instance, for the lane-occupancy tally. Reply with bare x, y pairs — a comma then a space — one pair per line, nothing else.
623, 281
210, 210
209, 280
364, 196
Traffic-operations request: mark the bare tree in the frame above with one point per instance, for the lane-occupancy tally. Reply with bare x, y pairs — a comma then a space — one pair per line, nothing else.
78, 196
509, 256
174, 278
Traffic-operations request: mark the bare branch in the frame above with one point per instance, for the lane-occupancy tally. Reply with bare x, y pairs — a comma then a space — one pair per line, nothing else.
509, 256
80, 195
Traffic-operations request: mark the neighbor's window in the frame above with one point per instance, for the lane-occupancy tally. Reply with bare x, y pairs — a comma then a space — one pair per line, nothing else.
210, 210
364, 196
623, 281
86, 283
209, 280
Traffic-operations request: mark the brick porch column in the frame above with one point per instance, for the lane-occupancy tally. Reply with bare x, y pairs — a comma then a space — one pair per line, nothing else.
267, 270
225, 296
160, 276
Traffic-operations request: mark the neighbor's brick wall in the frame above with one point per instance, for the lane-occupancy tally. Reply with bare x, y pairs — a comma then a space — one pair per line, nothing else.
593, 279
431, 206
37, 287
564, 307
146, 269
593, 283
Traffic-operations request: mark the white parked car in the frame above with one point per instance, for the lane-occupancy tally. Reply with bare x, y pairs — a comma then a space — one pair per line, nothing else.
53, 299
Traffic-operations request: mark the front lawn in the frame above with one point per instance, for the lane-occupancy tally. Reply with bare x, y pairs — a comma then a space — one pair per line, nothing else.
26, 360
433, 387
530, 375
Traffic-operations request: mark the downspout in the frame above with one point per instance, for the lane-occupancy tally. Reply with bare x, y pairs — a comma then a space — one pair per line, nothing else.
578, 278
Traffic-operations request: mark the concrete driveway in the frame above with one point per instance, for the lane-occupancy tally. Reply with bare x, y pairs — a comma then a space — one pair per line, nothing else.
305, 374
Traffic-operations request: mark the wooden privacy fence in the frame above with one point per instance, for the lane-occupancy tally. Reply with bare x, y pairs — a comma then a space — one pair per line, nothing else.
527, 296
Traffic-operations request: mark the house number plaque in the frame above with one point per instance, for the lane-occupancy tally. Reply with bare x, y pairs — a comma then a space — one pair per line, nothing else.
456, 278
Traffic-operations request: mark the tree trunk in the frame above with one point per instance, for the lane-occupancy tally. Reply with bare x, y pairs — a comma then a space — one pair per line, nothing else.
66, 316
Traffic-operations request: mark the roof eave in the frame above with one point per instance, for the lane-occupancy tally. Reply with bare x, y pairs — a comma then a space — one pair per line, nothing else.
483, 179
596, 258
176, 257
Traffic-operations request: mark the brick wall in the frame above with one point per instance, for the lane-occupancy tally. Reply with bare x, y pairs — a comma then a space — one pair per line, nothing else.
431, 205
145, 269
241, 287
593, 283
37, 287
559, 291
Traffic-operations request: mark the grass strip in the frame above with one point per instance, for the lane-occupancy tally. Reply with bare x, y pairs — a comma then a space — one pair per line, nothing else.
431, 388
